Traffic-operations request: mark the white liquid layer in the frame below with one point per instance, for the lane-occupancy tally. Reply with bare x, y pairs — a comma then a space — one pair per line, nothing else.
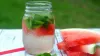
38, 44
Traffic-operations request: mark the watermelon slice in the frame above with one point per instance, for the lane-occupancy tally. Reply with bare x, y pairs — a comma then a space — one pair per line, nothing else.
79, 42
90, 49
77, 37
71, 53
41, 31
62, 46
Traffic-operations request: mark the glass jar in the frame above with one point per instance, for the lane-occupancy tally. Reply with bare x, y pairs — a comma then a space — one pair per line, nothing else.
38, 27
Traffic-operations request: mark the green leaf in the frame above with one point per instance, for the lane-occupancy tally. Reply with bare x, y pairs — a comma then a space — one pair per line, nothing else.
44, 54
40, 55
46, 21
37, 17
51, 20
37, 23
28, 23
47, 54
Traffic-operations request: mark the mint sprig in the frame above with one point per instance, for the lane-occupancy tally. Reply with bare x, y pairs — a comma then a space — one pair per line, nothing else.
46, 54
36, 21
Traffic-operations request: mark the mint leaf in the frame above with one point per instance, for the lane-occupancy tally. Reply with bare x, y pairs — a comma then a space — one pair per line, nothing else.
46, 21
37, 23
40, 21
44, 54
51, 20
28, 23
37, 17
47, 54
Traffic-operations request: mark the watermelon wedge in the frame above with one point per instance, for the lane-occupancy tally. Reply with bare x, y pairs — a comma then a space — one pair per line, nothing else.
71, 53
79, 42
77, 37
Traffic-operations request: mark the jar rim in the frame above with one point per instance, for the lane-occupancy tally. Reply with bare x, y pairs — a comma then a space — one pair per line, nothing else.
38, 7
38, 3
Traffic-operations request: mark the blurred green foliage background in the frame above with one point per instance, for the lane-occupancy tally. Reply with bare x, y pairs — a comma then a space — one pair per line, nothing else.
68, 13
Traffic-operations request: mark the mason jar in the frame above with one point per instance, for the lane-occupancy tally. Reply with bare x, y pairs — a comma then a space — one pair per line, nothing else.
38, 27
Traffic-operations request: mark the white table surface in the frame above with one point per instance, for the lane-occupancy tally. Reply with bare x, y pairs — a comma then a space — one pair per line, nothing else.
12, 38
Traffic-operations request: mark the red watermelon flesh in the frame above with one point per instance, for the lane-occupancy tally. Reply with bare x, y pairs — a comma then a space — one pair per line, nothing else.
75, 49
41, 31
77, 37
61, 45
71, 53
97, 52
74, 39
